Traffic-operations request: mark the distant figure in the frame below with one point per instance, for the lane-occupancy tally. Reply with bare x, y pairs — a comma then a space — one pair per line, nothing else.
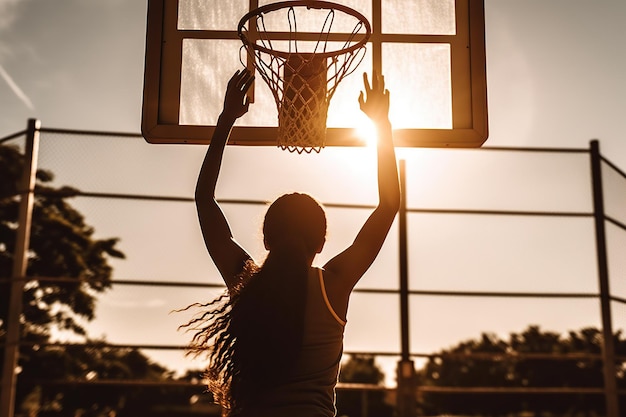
275, 338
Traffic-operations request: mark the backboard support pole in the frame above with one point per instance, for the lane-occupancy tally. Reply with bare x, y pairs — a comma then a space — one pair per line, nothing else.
406, 405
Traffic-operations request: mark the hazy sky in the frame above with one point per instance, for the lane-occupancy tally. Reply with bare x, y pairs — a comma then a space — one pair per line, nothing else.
555, 79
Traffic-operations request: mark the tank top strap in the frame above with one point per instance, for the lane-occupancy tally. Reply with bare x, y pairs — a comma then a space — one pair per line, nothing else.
326, 300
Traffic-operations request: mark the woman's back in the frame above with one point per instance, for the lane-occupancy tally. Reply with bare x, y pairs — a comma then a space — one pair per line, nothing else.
308, 389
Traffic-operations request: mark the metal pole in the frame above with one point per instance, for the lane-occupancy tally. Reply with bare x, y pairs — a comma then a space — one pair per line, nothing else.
404, 270
610, 381
22, 241
406, 367
364, 403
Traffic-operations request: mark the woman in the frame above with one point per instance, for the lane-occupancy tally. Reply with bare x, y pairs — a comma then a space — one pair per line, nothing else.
275, 338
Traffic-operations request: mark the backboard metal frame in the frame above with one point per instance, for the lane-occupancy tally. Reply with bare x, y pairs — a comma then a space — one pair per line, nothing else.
162, 82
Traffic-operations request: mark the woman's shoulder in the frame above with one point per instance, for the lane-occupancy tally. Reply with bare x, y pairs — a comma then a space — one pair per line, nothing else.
334, 293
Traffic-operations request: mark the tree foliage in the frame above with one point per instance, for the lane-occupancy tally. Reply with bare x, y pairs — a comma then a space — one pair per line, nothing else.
62, 245
492, 362
52, 380
351, 403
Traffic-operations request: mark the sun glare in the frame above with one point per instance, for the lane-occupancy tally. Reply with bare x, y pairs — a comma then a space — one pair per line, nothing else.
366, 131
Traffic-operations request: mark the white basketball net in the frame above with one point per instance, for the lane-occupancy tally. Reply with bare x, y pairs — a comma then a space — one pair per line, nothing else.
302, 79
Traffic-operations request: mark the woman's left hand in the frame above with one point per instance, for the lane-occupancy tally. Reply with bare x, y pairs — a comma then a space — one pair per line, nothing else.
235, 102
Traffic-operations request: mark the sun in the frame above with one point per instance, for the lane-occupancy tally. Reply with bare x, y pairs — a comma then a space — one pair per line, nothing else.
366, 131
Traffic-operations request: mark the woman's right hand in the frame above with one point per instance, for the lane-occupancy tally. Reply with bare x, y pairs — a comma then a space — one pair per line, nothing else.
375, 102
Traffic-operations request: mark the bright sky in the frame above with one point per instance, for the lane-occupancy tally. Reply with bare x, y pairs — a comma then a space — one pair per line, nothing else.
555, 79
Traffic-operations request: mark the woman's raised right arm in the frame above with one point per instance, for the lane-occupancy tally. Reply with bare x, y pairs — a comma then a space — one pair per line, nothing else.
350, 265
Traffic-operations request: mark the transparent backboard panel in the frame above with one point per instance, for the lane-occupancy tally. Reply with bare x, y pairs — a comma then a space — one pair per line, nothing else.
434, 69
425, 102
311, 19
422, 17
203, 15
362, 6
433, 17
207, 64
419, 79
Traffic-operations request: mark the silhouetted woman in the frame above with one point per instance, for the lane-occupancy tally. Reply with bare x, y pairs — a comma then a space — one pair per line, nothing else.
275, 339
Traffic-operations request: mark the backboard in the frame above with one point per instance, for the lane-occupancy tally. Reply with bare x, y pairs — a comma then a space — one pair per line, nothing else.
432, 53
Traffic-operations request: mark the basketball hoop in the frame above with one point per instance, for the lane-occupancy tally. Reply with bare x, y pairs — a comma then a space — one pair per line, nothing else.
301, 68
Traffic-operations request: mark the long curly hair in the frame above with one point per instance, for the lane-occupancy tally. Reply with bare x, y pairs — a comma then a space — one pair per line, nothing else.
252, 333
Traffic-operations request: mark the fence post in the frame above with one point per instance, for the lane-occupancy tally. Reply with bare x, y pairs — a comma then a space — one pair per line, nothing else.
405, 393
608, 347
22, 241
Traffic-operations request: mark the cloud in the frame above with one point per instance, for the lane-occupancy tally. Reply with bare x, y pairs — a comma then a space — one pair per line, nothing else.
8, 12
15, 88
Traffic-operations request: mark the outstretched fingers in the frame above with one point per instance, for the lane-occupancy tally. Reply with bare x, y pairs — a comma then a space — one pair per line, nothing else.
374, 101
247, 81
366, 83
375, 81
241, 80
236, 103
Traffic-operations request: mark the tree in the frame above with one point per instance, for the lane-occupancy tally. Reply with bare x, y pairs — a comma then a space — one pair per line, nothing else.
62, 245
362, 369
55, 376
454, 369
509, 367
